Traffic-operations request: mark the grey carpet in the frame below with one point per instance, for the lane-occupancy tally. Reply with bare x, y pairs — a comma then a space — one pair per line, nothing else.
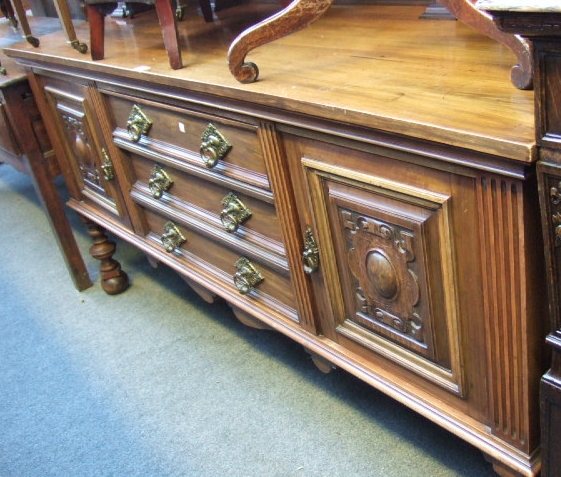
157, 383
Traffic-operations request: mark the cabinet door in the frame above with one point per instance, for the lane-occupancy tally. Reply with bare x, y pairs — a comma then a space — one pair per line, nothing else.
383, 230
87, 162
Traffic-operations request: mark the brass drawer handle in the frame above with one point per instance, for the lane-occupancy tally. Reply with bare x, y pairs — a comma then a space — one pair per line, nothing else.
172, 238
234, 212
107, 166
310, 255
247, 276
138, 124
159, 181
214, 146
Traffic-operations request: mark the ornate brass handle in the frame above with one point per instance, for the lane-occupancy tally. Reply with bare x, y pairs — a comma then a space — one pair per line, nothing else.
159, 181
247, 276
310, 255
214, 146
137, 124
234, 212
172, 238
107, 166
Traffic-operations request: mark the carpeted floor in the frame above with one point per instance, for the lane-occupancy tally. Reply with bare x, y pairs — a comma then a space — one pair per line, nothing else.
157, 383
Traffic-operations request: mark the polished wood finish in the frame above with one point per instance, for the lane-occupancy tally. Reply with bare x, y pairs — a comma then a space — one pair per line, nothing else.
522, 73
299, 14
394, 218
167, 18
539, 22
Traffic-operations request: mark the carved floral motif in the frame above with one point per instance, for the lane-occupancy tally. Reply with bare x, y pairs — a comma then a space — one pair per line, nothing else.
83, 152
382, 260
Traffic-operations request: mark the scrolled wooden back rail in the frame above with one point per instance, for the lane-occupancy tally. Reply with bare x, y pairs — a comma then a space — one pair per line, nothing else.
296, 15
301, 13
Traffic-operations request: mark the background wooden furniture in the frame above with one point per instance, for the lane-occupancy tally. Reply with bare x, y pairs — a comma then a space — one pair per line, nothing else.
98, 9
24, 145
373, 200
539, 21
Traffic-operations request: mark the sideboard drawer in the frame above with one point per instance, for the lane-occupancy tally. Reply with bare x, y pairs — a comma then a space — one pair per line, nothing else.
228, 205
204, 252
227, 147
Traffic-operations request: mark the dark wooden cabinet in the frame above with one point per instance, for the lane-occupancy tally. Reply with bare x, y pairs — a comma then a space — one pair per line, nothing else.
390, 228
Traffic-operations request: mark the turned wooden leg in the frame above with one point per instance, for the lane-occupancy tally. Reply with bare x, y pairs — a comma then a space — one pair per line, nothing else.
113, 279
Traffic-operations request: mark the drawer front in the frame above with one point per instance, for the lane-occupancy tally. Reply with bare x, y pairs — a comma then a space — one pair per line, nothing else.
233, 271
224, 204
222, 145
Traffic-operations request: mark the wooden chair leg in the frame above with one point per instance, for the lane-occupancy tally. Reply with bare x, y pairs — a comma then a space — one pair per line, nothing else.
96, 20
8, 12
63, 13
206, 8
20, 12
167, 19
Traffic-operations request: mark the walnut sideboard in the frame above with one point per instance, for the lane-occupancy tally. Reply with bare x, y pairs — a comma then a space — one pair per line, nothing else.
373, 197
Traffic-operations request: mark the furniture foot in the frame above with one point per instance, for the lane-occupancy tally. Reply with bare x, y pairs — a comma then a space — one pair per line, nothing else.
66, 20
296, 16
321, 363
205, 294
20, 12
503, 470
437, 11
113, 279
248, 320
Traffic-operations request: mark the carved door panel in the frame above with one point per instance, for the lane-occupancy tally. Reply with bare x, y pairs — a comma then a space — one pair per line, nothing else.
386, 260
88, 162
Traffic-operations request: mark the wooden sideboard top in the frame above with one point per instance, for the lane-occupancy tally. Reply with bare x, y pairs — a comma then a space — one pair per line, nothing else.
375, 66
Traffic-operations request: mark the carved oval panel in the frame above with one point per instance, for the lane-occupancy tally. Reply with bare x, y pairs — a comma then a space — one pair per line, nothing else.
382, 274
